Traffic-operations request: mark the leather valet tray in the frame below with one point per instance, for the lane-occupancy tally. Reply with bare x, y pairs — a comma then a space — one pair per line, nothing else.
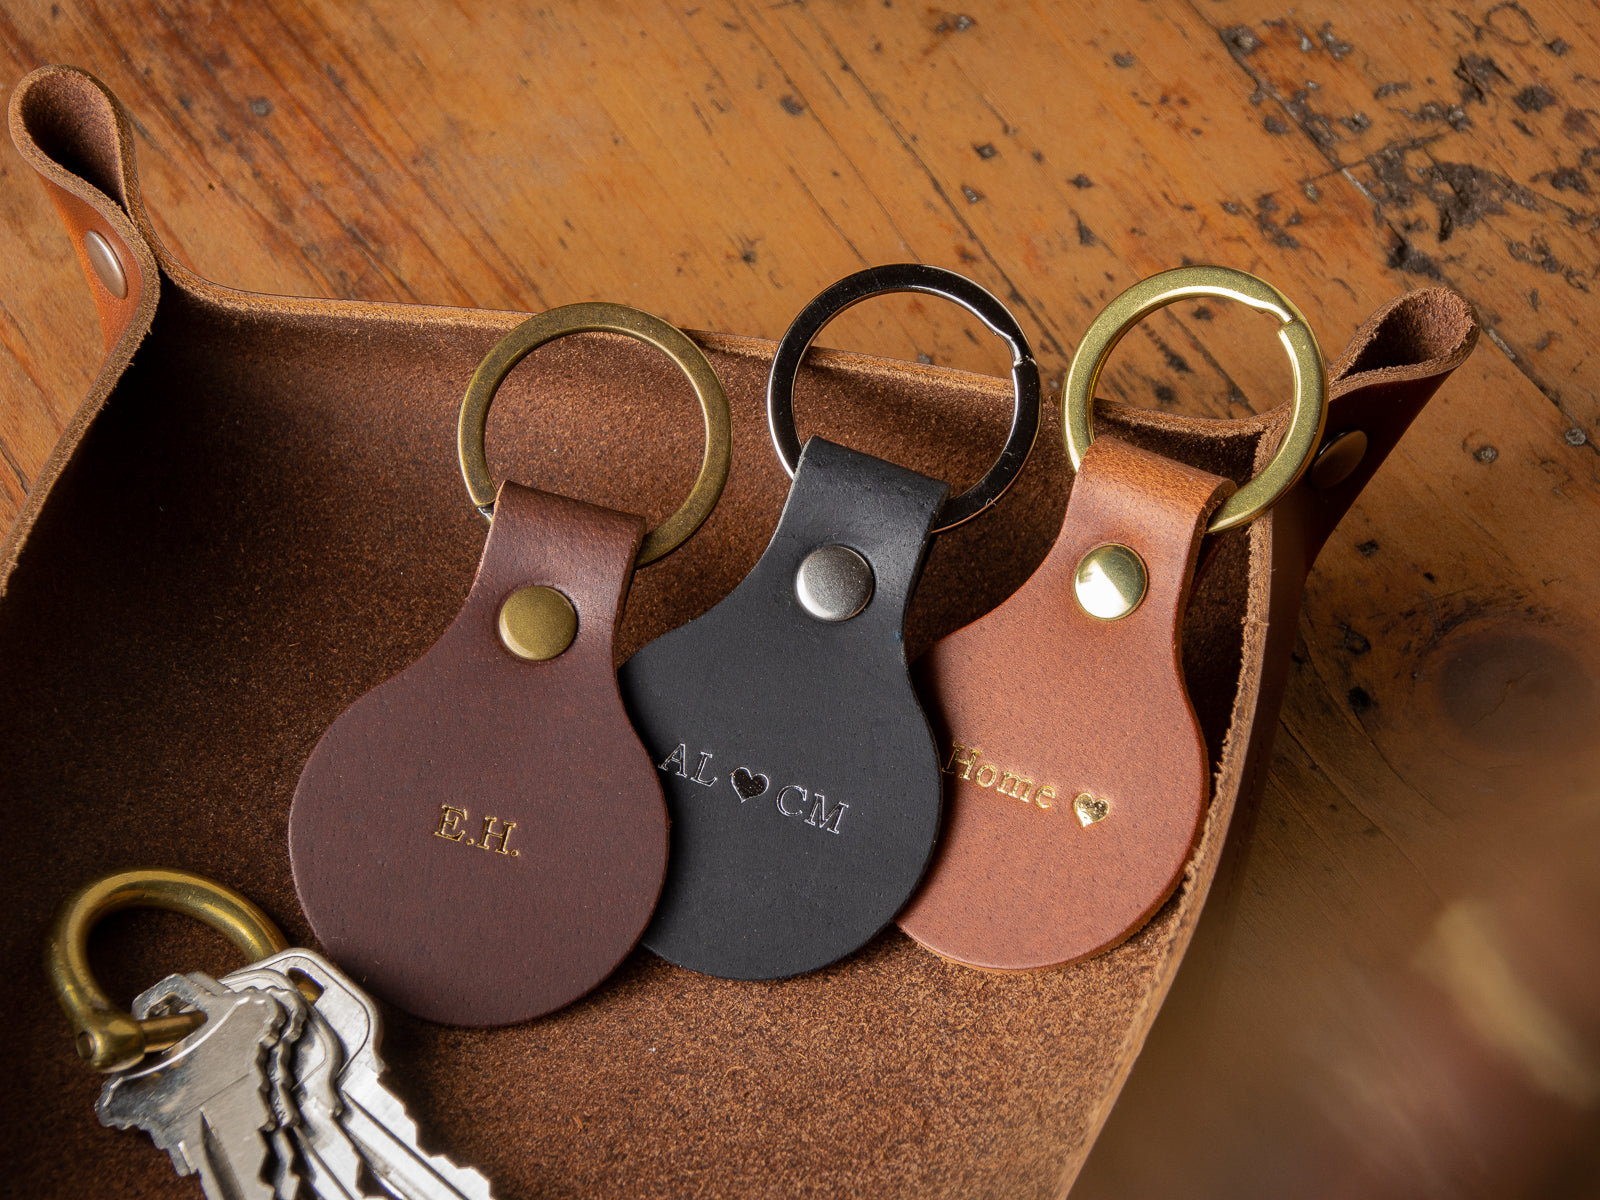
257, 515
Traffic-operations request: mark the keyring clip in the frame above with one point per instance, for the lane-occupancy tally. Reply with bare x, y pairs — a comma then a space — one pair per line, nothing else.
1306, 418
932, 281
108, 1038
598, 317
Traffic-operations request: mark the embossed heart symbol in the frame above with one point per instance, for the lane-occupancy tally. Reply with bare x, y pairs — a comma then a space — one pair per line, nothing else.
1089, 808
748, 785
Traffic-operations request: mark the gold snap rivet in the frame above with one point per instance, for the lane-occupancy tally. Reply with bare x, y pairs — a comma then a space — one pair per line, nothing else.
1338, 459
106, 264
537, 623
1110, 582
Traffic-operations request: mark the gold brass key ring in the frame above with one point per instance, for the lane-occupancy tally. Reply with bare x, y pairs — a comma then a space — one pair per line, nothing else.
108, 1038
599, 317
1306, 418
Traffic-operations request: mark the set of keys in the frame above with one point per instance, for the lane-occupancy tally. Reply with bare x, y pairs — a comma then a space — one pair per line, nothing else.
275, 1091
266, 1083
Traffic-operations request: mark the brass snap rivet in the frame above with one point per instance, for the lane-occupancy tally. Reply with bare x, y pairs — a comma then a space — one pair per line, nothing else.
537, 623
834, 583
1110, 582
106, 264
1338, 459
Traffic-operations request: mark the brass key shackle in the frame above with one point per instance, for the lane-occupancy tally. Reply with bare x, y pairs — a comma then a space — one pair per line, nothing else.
109, 1038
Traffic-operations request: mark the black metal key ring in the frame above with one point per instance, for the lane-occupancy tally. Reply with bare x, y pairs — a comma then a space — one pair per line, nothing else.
933, 281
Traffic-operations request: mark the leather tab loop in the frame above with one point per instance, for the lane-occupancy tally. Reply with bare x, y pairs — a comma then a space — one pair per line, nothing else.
1074, 768
481, 839
70, 129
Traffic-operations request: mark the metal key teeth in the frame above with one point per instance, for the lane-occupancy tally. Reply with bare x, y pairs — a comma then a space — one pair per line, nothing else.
285, 1172
334, 1166
390, 1149
352, 1128
208, 1100
275, 1094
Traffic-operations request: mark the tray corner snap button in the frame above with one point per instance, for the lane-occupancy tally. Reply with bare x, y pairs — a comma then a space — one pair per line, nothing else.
106, 264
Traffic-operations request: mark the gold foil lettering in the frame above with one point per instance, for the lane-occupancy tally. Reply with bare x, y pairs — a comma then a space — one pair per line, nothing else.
1019, 787
452, 825
450, 819
967, 763
504, 836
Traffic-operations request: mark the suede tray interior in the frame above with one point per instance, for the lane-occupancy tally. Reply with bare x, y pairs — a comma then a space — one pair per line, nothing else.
266, 519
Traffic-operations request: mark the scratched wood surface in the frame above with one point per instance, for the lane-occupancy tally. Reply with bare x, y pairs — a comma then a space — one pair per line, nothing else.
718, 163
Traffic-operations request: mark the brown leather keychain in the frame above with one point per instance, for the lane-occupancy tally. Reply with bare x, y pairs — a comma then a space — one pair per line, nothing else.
482, 838
1075, 771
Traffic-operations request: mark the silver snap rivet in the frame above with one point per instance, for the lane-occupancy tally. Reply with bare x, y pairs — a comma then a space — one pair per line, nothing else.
834, 583
106, 264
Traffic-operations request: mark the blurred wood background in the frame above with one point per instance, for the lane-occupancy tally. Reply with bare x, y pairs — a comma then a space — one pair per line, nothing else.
1433, 803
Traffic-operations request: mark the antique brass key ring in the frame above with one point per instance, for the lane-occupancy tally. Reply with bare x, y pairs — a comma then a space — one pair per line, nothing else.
108, 1038
1310, 405
600, 317
931, 281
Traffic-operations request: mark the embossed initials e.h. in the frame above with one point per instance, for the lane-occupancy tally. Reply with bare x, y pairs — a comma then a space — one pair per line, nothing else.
452, 822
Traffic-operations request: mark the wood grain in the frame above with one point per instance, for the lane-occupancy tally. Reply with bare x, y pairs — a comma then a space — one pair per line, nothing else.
719, 163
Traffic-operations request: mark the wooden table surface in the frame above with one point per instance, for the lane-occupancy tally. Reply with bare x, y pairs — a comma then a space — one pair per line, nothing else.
1396, 987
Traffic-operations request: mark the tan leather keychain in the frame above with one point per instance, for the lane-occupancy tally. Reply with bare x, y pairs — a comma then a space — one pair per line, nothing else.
1075, 772
482, 838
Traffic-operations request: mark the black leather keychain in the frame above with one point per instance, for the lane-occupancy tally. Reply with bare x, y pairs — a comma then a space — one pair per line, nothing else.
800, 774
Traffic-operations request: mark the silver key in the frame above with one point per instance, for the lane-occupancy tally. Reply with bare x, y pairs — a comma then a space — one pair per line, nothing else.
373, 1117
205, 1101
332, 1165
281, 1080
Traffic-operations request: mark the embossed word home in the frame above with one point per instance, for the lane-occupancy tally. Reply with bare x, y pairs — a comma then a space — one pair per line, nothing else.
966, 763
